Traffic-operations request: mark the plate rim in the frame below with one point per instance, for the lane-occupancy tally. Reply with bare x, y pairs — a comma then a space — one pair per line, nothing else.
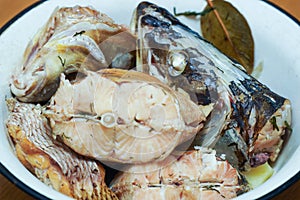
19, 15
296, 177
34, 193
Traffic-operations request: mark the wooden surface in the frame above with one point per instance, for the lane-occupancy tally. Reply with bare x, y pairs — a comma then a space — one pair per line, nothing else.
9, 9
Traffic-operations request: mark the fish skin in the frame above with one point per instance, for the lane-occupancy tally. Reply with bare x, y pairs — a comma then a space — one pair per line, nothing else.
51, 161
241, 105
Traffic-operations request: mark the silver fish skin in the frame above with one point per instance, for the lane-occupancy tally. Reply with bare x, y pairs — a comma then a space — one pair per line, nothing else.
246, 120
72, 36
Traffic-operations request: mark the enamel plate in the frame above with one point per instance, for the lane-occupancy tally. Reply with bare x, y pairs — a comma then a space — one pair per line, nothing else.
277, 46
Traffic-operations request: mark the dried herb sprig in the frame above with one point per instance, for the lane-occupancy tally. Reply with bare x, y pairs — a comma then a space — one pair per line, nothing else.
192, 13
79, 33
274, 123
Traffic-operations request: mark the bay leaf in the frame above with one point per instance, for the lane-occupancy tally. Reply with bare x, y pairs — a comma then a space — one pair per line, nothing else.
240, 44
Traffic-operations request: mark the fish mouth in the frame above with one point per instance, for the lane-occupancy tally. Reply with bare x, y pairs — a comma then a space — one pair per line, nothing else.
33, 88
20, 88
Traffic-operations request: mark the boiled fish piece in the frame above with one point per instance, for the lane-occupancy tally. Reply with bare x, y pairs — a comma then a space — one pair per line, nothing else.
51, 161
197, 174
72, 36
122, 116
247, 121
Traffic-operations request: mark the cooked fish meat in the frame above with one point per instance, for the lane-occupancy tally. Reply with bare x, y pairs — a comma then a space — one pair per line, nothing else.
246, 120
51, 161
122, 116
72, 36
197, 174
182, 126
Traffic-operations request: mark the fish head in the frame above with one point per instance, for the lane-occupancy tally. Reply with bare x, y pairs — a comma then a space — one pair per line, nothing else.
169, 50
243, 108
74, 39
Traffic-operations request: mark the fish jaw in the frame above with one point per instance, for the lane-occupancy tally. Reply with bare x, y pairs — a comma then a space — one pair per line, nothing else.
272, 136
37, 83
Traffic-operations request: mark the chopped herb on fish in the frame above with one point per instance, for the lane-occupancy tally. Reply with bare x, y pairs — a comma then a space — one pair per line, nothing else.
65, 136
78, 33
62, 61
288, 126
274, 123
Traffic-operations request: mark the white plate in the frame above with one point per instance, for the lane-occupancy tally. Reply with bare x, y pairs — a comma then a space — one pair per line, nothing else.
277, 45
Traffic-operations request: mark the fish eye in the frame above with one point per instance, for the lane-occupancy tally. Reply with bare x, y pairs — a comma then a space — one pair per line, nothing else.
178, 61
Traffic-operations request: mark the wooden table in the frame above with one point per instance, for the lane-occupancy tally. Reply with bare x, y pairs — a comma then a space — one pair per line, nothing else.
9, 8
